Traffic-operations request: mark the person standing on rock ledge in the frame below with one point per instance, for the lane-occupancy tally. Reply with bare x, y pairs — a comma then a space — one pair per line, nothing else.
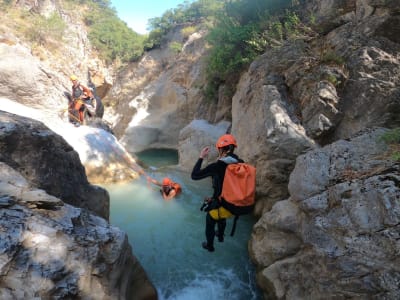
216, 214
82, 101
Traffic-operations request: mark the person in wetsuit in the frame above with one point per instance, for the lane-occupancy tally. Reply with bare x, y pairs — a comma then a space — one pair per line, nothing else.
169, 189
82, 99
216, 214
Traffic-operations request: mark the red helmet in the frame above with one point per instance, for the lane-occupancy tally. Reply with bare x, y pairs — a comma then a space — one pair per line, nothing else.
167, 181
226, 140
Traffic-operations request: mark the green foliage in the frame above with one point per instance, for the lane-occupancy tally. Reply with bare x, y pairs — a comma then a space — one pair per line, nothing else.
332, 79
187, 31
242, 30
235, 47
396, 156
331, 57
392, 137
156, 35
276, 30
186, 13
210, 91
114, 40
45, 30
112, 37
252, 11
176, 47
154, 39
291, 24
313, 19
201, 10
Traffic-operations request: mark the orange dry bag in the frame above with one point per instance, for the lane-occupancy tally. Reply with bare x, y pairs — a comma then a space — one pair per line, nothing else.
239, 185
238, 190
177, 187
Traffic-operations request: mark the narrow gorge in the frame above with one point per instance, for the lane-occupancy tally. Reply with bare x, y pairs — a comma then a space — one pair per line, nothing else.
314, 114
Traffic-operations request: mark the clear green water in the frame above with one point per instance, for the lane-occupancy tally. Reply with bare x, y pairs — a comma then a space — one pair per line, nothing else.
154, 158
166, 237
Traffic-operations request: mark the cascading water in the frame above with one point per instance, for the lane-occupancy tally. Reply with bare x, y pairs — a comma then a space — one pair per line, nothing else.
166, 237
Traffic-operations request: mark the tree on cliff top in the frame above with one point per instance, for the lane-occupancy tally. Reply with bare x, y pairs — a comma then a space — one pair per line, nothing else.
242, 31
110, 35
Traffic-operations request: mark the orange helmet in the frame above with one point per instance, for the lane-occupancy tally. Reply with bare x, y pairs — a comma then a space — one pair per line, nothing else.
166, 181
226, 140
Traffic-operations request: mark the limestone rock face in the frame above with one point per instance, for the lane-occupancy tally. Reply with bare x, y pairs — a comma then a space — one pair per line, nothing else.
39, 76
330, 102
194, 137
314, 91
269, 134
104, 158
54, 250
164, 94
36, 89
49, 163
358, 65
371, 96
25, 79
337, 235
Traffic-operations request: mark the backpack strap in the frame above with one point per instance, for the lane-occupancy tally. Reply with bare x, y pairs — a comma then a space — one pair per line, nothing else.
234, 225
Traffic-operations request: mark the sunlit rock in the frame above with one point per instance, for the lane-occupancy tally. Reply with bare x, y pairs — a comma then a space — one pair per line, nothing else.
197, 135
104, 158
61, 251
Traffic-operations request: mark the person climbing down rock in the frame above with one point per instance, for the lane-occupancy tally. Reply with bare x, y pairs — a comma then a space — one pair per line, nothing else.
169, 189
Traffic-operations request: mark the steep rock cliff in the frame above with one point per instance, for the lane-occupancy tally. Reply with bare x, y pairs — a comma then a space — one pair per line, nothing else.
329, 247
51, 249
336, 236
161, 94
54, 250
49, 163
35, 87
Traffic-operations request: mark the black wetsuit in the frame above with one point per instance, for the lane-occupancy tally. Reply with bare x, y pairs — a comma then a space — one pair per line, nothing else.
217, 172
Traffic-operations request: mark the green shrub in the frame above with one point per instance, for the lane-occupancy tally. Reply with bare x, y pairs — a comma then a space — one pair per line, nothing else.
187, 31
235, 46
175, 47
154, 39
291, 24
330, 57
332, 79
44, 30
112, 37
276, 30
392, 137
210, 91
242, 31
396, 156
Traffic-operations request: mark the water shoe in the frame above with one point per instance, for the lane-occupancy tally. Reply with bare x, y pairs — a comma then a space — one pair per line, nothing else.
209, 248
